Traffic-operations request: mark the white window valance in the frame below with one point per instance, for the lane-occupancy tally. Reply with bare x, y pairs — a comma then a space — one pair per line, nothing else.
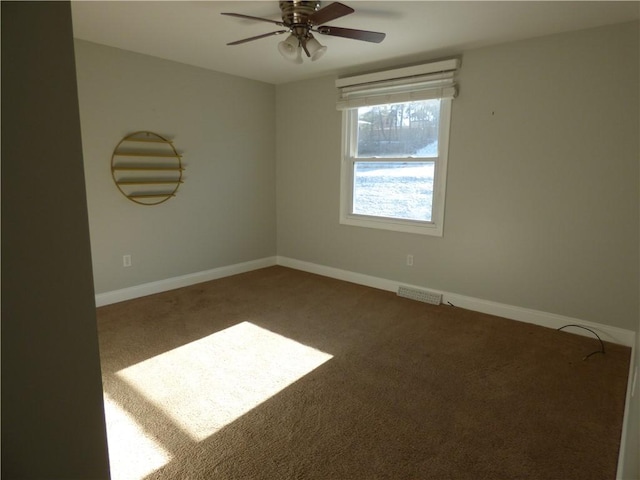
422, 82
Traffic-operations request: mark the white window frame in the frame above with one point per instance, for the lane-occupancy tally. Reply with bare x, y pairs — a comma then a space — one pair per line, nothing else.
434, 227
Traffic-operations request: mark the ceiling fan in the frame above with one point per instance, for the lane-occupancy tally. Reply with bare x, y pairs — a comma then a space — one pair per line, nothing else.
300, 19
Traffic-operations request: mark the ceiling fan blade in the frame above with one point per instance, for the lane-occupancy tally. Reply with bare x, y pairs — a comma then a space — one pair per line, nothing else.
258, 37
330, 12
364, 35
249, 17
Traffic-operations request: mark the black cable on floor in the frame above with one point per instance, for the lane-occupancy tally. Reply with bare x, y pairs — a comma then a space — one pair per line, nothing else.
588, 329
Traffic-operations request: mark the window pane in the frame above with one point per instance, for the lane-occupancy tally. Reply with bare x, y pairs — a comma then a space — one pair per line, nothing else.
399, 129
402, 190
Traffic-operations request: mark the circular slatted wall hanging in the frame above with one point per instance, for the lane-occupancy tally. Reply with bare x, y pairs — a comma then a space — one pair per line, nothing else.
146, 168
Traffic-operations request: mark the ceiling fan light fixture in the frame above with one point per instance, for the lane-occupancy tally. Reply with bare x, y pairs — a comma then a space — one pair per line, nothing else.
315, 48
290, 49
299, 19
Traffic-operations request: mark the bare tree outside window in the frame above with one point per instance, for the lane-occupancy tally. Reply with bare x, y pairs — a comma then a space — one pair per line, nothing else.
399, 130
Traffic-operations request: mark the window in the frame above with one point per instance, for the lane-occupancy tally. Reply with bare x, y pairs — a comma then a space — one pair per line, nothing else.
395, 139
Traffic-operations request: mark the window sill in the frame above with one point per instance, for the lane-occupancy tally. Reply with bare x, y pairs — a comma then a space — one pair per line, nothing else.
405, 226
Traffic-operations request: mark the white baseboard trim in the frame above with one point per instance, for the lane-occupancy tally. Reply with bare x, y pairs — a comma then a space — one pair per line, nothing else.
626, 425
150, 288
536, 317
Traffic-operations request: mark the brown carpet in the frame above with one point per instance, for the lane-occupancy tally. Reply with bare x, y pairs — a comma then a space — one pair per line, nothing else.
396, 389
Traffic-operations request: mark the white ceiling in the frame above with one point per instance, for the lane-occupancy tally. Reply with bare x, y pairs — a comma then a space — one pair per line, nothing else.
194, 32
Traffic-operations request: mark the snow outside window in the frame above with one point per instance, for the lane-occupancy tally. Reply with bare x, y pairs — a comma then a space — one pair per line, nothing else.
394, 166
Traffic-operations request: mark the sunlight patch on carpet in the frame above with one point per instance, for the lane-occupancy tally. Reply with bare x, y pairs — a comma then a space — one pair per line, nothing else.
132, 453
207, 384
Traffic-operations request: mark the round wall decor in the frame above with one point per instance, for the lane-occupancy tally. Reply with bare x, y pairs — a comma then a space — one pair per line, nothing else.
146, 168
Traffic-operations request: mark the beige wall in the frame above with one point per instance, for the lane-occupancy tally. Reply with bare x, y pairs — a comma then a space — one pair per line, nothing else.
52, 409
224, 213
542, 192
631, 465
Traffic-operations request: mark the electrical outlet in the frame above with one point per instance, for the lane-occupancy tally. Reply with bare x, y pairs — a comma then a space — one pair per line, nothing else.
126, 260
410, 260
